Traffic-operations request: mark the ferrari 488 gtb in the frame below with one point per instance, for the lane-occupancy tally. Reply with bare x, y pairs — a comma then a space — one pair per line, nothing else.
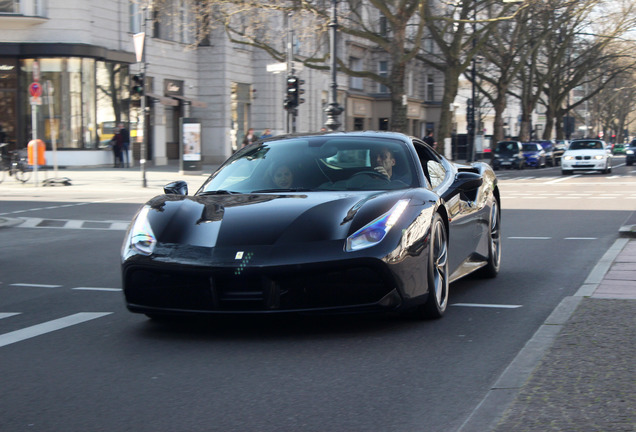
329, 223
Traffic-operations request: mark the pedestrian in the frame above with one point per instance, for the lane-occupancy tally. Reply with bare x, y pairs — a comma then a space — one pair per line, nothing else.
125, 137
266, 134
117, 145
249, 137
428, 139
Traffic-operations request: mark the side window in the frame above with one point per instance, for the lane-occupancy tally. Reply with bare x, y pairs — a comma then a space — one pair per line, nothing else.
431, 165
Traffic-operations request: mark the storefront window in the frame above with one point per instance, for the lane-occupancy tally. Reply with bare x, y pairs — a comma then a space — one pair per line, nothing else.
8, 93
79, 96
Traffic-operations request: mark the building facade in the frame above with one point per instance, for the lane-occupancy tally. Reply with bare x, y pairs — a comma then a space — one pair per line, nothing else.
81, 56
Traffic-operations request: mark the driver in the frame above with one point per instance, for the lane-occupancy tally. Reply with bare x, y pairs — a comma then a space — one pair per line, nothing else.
384, 162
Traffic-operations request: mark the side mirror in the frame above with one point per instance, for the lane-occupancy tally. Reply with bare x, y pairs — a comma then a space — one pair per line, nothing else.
179, 187
467, 181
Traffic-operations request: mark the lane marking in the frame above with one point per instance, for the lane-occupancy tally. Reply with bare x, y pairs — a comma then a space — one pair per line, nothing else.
530, 238
8, 314
96, 289
49, 326
35, 285
580, 238
485, 305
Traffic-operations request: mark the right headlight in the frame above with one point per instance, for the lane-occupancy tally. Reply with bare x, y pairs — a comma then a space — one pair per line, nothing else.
568, 157
373, 233
142, 238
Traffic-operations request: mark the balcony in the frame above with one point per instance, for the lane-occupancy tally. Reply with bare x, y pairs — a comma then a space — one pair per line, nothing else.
18, 14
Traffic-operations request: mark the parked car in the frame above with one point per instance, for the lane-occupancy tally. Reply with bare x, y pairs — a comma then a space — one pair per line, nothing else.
559, 148
630, 153
586, 155
325, 223
508, 154
534, 154
619, 148
548, 148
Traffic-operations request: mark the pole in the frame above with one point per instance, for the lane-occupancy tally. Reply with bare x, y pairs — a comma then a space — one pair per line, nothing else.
473, 76
333, 110
35, 147
141, 124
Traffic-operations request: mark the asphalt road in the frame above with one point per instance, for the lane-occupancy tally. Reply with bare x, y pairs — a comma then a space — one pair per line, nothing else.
74, 359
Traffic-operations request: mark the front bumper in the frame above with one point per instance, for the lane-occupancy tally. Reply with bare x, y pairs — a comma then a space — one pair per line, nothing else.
589, 164
359, 285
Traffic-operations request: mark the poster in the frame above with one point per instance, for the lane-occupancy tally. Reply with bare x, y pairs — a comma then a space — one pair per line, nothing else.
191, 141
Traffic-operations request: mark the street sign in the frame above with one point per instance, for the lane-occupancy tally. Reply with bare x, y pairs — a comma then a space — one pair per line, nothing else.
277, 67
35, 89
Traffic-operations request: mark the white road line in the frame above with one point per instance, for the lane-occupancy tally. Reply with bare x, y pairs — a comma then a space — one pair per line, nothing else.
485, 305
8, 314
96, 289
49, 326
34, 285
530, 238
562, 179
580, 238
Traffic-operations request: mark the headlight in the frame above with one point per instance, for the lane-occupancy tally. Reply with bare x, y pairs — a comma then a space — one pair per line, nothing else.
599, 157
568, 157
373, 233
142, 238
629, 152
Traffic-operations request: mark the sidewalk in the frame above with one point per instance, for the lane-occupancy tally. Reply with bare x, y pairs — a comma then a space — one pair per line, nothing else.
577, 373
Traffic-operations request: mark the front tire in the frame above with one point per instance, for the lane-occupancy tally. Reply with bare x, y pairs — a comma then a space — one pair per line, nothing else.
437, 271
491, 269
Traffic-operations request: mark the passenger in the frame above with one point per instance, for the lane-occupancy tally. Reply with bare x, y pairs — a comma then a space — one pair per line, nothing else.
283, 177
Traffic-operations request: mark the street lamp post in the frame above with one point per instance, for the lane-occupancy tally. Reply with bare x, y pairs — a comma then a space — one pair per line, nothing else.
333, 110
473, 76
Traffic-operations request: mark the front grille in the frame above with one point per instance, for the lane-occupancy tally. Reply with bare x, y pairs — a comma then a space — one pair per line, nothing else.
583, 157
225, 290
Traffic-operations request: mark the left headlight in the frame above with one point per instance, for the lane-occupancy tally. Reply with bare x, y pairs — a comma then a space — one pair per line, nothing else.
599, 157
374, 232
629, 151
142, 238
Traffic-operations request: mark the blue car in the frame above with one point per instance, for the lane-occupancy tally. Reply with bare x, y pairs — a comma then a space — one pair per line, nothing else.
534, 155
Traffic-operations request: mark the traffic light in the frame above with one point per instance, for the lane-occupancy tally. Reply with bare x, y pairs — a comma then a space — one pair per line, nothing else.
137, 87
292, 98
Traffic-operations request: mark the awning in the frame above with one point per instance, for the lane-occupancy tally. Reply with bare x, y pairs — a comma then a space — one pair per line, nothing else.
162, 99
195, 103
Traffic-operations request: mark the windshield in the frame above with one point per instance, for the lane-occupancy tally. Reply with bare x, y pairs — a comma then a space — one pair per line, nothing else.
316, 163
530, 147
508, 147
586, 145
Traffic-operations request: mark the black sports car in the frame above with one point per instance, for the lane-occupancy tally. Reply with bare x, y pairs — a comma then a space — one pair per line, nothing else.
333, 222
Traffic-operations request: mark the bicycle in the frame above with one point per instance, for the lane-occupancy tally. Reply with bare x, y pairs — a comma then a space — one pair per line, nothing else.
15, 164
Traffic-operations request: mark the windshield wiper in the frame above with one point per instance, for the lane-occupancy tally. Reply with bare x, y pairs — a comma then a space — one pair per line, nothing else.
283, 190
219, 192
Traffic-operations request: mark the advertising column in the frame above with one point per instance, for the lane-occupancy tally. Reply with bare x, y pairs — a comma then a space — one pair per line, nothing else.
190, 159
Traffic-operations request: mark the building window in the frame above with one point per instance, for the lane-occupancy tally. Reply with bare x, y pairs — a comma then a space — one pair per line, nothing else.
383, 71
136, 17
358, 123
82, 99
430, 88
383, 124
356, 65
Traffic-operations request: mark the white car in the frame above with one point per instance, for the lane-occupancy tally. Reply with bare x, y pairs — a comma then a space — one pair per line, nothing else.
587, 155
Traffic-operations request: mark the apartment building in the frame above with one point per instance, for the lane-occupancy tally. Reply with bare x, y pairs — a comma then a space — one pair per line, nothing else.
81, 56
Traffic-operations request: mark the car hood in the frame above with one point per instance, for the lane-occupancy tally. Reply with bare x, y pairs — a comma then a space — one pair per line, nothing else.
264, 219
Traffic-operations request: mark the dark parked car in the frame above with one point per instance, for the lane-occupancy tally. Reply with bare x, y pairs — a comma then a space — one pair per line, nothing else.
534, 154
630, 153
549, 149
329, 223
508, 154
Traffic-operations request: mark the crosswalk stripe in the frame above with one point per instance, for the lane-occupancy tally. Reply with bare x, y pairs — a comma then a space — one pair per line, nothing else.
49, 326
8, 314
96, 289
